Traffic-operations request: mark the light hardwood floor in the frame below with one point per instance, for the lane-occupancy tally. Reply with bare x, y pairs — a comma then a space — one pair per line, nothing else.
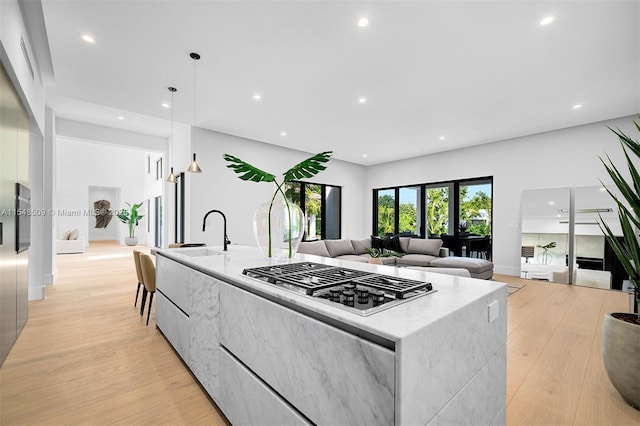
85, 356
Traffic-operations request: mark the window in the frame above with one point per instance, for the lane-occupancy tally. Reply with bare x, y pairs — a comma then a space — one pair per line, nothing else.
437, 205
386, 208
407, 209
475, 207
321, 205
158, 221
409, 217
159, 169
148, 164
147, 212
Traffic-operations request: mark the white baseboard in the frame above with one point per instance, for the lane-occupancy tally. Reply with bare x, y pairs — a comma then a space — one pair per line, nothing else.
506, 270
49, 279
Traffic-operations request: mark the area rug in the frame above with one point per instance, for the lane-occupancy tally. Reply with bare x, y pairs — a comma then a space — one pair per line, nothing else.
512, 288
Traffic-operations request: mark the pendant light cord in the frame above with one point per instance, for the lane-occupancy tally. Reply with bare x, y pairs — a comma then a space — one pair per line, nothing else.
172, 177
172, 137
194, 167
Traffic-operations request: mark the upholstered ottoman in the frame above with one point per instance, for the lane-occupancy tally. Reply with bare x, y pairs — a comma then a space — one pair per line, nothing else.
478, 268
458, 272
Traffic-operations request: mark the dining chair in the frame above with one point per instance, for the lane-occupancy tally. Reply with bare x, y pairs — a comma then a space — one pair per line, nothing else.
136, 259
481, 248
149, 281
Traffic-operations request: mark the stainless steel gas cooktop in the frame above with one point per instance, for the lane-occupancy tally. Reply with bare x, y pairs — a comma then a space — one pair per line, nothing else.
359, 292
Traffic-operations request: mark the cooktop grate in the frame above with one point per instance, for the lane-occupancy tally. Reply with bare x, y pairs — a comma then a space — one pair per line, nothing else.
314, 276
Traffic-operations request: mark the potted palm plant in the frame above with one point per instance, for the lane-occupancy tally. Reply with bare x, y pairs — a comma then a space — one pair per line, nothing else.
131, 218
621, 333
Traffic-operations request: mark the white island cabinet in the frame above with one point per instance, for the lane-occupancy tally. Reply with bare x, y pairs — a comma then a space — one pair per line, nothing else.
267, 356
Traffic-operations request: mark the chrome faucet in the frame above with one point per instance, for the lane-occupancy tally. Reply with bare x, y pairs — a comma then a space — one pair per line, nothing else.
224, 218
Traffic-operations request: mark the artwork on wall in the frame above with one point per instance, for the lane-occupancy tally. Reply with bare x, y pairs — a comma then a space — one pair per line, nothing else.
103, 213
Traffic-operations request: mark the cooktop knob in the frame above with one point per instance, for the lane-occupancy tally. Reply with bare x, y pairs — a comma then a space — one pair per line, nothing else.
378, 296
348, 296
363, 295
336, 291
350, 286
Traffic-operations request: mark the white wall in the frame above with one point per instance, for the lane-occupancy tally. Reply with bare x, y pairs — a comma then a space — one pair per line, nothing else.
153, 188
49, 179
30, 90
93, 132
218, 187
562, 158
82, 164
37, 251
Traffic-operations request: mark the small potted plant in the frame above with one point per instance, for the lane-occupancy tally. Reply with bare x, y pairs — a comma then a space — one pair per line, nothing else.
131, 218
378, 253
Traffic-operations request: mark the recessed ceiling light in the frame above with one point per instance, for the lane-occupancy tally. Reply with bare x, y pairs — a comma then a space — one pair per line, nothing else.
120, 117
577, 106
441, 138
558, 215
363, 22
551, 203
603, 189
547, 20
165, 105
88, 38
362, 100
257, 97
365, 155
283, 133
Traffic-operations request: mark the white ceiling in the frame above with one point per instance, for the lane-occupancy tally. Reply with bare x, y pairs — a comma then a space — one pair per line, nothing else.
474, 72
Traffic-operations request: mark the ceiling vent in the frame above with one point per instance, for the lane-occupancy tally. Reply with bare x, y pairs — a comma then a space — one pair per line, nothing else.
23, 46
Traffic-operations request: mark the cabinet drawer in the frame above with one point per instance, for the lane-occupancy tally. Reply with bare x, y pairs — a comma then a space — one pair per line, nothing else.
204, 346
247, 401
330, 376
174, 325
172, 279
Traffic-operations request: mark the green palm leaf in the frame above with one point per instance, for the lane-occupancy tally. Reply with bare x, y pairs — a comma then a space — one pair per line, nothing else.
308, 168
247, 171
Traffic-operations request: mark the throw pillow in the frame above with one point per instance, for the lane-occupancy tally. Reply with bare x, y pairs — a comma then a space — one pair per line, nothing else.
360, 245
404, 243
339, 247
313, 247
421, 246
376, 242
391, 242
65, 236
74, 234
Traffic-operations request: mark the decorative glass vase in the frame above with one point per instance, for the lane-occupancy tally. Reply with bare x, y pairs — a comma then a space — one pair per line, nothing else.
278, 227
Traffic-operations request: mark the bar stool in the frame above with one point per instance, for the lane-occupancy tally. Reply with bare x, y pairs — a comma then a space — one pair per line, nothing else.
149, 281
136, 259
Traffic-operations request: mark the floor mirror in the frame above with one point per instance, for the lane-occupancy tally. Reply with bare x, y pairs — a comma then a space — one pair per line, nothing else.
561, 240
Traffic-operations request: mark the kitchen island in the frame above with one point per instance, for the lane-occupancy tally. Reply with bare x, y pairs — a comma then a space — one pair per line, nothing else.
268, 355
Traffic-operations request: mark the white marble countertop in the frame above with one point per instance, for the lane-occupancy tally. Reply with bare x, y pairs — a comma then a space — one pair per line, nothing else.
453, 293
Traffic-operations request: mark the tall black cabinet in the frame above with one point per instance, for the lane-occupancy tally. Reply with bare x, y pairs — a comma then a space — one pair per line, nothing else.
14, 163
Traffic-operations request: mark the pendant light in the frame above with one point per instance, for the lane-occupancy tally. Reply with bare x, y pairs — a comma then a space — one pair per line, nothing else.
194, 167
172, 177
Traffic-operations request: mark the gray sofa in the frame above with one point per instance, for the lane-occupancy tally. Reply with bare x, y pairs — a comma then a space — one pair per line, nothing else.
427, 253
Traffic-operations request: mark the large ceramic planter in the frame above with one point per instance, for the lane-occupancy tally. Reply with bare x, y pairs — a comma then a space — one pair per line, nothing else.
278, 228
621, 355
131, 241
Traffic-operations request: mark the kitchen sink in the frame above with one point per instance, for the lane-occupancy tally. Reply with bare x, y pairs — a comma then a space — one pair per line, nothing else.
198, 252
